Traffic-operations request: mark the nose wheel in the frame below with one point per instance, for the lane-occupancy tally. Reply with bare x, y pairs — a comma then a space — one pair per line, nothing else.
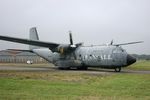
117, 69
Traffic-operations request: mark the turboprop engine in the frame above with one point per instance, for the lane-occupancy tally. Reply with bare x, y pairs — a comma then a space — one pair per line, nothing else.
63, 49
67, 48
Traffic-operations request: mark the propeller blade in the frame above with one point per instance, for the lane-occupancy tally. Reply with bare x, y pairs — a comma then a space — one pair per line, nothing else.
128, 43
70, 36
111, 43
73, 46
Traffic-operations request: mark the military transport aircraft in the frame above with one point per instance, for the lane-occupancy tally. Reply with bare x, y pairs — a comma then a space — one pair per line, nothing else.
66, 56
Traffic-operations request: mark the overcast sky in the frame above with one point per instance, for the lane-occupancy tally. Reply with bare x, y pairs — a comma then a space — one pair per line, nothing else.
91, 21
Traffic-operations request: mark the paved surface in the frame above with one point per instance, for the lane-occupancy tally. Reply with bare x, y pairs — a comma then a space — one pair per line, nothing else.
18, 68
94, 71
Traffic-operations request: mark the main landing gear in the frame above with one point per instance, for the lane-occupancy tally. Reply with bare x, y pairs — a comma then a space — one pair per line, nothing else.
82, 68
68, 68
117, 69
64, 68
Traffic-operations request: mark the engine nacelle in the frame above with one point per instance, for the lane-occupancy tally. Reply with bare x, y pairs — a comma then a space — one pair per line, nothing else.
63, 49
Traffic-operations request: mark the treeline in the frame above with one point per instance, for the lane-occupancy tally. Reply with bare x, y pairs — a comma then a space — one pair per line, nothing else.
141, 57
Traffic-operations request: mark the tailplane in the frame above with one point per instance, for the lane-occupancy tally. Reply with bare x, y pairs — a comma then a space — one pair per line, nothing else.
33, 36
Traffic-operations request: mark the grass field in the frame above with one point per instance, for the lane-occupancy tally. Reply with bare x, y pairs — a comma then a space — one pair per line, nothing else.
73, 86
140, 65
69, 85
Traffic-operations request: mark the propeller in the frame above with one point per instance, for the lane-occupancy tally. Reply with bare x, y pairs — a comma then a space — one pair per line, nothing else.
73, 46
111, 43
71, 41
67, 48
70, 36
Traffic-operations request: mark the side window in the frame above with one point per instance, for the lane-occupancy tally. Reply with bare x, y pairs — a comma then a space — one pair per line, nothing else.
80, 56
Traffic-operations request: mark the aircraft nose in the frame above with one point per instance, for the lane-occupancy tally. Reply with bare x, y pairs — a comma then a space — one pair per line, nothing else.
130, 60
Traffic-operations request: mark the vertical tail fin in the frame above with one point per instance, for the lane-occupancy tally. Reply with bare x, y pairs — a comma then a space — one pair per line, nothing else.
33, 36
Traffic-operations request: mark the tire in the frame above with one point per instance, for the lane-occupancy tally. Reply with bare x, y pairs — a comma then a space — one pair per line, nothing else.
64, 68
82, 68
60, 68
117, 69
85, 68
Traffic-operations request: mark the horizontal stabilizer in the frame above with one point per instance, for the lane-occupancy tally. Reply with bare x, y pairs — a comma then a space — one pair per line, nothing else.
19, 50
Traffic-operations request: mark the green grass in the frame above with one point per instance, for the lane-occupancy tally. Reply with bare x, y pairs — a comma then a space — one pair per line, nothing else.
74, 85
77, 86
140, 65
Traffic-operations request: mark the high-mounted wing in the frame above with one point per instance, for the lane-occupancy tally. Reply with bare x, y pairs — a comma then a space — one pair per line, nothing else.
49, 45
128, 43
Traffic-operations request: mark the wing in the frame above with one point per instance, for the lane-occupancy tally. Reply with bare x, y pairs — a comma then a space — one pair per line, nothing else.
49, 45
128, 43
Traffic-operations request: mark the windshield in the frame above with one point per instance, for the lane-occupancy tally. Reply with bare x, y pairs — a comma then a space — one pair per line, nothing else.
118, 50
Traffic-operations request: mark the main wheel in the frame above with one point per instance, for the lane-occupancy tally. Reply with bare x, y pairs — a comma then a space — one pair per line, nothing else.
82, 68
117, 69
64, 68
60, 68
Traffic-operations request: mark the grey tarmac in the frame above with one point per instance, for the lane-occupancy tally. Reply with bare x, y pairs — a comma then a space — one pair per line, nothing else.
90, 70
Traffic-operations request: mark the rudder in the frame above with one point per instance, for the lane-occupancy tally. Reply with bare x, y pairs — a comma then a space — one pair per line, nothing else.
33, 36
